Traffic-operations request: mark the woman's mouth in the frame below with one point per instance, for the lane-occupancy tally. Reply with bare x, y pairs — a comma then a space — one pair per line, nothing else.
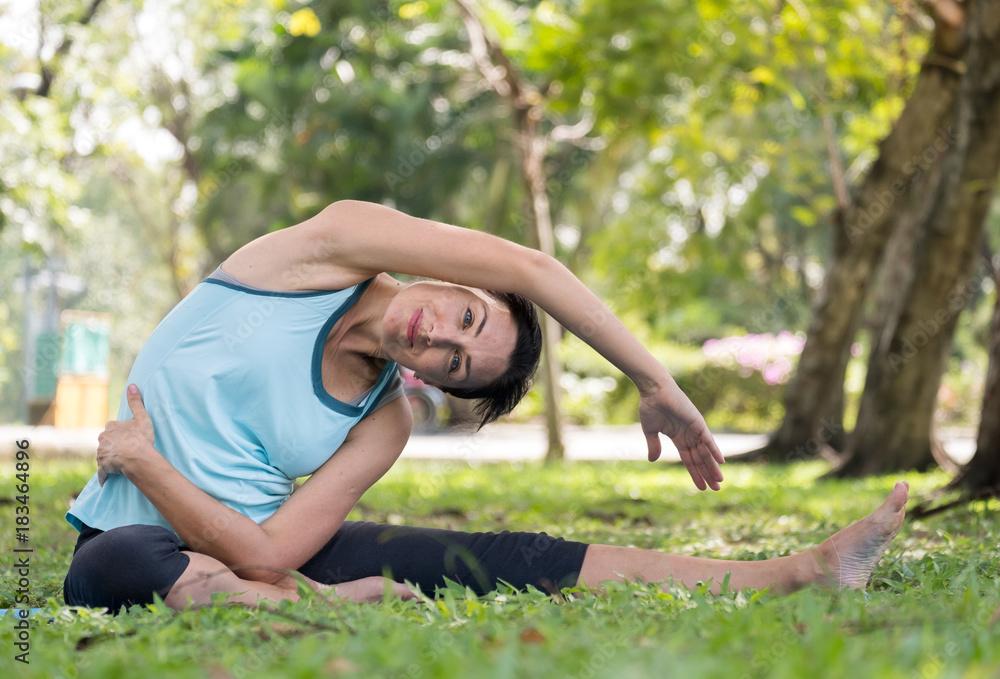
413, 326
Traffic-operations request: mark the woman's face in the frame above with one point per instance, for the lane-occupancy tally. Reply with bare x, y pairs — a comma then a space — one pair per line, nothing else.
449, 335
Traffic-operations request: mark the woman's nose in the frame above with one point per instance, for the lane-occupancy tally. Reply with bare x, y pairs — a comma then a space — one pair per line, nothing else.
439, 333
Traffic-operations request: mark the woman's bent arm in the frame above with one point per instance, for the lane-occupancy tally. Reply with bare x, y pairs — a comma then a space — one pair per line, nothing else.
351, 241
370, 238
294, 533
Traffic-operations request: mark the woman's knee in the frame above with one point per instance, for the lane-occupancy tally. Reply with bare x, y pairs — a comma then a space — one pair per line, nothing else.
123, 567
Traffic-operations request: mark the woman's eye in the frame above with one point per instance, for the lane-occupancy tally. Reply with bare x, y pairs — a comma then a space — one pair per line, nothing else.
455, 362
468, 317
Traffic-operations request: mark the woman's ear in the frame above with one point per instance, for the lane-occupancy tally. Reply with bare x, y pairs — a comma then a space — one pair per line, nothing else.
429, 384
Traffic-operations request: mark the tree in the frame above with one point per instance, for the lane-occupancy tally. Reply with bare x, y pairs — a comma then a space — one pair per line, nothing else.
895, 420
346, 100
38, 181
527, 106
980, 479
897, 184
982, 476
89, 180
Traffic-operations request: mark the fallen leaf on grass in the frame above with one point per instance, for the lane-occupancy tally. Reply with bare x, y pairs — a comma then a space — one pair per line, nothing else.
340, 666
86, 642
532, 636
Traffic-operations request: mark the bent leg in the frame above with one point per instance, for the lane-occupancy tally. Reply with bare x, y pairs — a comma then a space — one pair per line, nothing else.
206, 577
844, 560
123, 567
126, 566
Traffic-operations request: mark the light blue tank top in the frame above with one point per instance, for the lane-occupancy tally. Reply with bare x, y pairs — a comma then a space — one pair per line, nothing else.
232, 379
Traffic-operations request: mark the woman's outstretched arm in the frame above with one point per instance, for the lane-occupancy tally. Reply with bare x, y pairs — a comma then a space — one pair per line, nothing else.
353, 240
293, 534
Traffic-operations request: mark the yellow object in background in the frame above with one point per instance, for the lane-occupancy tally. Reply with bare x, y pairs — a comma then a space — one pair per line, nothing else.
81, 401
82, 387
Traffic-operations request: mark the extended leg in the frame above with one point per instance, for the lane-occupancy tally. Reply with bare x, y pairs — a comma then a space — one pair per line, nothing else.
844, 560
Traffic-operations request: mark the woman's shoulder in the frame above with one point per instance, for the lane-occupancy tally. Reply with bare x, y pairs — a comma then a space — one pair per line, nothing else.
293, 259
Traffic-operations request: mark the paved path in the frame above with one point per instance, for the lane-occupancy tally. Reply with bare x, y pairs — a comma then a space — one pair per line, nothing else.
494, 443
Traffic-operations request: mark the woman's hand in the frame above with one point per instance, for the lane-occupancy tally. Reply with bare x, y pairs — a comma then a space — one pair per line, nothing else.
371, 589
366, 590
121, 442
670, 412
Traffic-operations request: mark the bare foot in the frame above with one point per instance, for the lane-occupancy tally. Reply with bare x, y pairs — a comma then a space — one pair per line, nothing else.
848, 558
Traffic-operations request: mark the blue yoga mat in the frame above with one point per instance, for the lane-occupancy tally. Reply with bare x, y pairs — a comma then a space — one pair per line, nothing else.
4, 611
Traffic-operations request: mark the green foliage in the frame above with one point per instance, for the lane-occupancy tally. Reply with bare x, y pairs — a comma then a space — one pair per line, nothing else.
698, 204
926, 613
732, 397
378, 105
736, 183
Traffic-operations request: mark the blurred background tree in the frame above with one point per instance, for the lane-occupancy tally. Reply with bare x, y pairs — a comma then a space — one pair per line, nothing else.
715, 147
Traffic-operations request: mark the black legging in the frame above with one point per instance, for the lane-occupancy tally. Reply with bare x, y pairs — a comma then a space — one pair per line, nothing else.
125, 566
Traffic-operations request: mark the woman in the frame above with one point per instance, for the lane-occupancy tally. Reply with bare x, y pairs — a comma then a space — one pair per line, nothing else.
282, 365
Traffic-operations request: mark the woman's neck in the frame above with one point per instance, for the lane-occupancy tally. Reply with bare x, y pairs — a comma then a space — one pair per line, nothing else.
361, 329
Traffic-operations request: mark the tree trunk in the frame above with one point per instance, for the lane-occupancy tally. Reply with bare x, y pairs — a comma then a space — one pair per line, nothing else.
533, 159
893, 281
505, 80
895, 179
982, 476
894, 424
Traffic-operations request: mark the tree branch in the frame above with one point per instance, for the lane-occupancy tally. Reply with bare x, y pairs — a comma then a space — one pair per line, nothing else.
573, 133
836, 166
493, 62
47, 74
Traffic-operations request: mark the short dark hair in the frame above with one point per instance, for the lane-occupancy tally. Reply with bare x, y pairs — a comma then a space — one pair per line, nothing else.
500, 396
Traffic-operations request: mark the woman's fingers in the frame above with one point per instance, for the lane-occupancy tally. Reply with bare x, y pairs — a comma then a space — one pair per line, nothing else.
709, 469
692, 468
371, 589
135, 403
404, 592
702, 466
653, 445
716, 453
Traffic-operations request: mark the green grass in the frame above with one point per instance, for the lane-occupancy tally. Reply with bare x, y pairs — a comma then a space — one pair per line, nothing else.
926, 614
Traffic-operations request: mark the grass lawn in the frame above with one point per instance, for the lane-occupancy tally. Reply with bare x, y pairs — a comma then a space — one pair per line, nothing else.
929, 610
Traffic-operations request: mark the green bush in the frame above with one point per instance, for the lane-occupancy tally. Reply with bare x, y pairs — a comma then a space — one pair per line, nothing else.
731, 397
